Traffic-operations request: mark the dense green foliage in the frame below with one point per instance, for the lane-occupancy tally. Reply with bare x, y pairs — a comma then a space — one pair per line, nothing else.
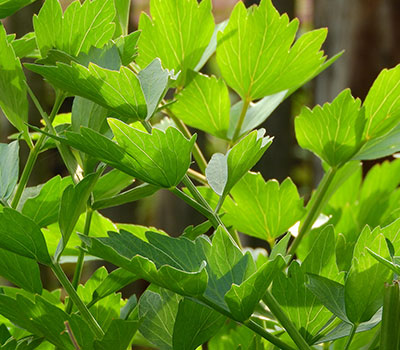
323, 284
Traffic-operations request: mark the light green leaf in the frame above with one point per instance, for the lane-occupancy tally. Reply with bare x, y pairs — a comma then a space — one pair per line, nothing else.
111, 184
132, 195
43, 208
80, 28
155, 155
21, 235
390, 265
8, 7
122, 8
9, 168
118, 336
13, 97
194, 325
239, 160
99, 85
73, 204
127, 47
157, 312
382, 104
204, 104
154, 82
249, 47
25, 46
365, 281
333, 132
275, 210
178, 33
242, 299
21, 271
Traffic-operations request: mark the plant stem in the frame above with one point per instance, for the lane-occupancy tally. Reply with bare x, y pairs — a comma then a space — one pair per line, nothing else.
351, 336
197, 176
314, 210
85, 313
197, 154
249, 324
71, 335
81, 257
246, 104
281, 316
34, 153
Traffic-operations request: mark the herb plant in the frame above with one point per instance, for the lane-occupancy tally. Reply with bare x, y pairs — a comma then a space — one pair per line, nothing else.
327, 286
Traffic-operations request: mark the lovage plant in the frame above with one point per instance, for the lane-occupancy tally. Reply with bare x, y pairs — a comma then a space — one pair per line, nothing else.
326, 286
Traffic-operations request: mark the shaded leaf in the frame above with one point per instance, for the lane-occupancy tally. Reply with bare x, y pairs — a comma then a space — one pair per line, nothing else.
21, 235
275, 210
8, 7
248, 48
178, 33
204, 104
333, 132
155, 155
80, 28
9, 168
118, 336
127, 47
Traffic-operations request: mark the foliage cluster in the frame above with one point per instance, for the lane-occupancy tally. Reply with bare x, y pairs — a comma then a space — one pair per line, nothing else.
324, 287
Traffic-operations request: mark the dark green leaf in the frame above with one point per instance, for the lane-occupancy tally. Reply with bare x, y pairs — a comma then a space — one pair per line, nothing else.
9, 168
238, 161
8, 7
178, 33
80, 28
248, 48
99, 85
13, 97
194, 325
44, 207
156, 157
277, 208
127, 47
118, 335
204, 104
21, 235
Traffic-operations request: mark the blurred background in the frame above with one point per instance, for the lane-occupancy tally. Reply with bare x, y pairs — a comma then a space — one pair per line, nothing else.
368, 31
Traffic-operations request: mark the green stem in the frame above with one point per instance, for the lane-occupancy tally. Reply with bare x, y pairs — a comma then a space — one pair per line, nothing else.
85, 313
81, 257
246, 104
197, 154
197, 176
34, 153
249, 324
314, 210
351, 336
281, 316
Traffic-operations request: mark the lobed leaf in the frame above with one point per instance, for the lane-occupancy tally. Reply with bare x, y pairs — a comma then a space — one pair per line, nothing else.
178, 33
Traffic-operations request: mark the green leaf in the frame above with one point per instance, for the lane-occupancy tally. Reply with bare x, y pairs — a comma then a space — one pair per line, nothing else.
390, 338
44, 207
204, 104
194, 325
333, 132
382, 104
13, 97
9, 168
21, 235
365, 281
242, 299
249, 47
238, 161
25, 46
178, 33
154, 82
277, 208
394, 267
99, 85
73, 204
21, 271
155, 155
80, 28
134, 194
157, 312
114, 281
8, 7
37, 316
111, 184
122, 16
118, 335
127, 47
